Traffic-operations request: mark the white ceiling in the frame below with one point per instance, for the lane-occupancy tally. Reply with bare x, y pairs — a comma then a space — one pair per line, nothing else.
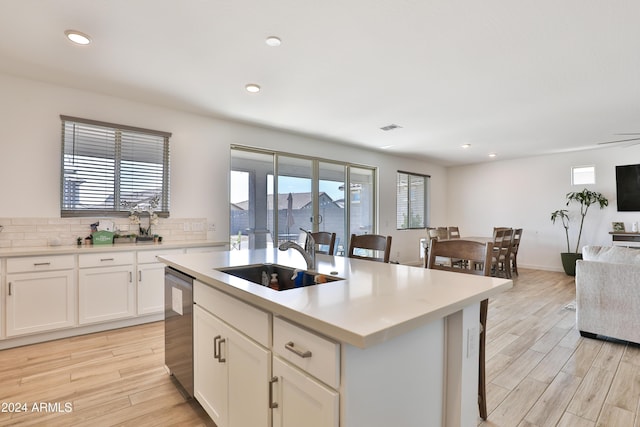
517, 78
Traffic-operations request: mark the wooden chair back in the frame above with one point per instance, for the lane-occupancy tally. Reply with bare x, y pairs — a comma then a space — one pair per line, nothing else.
323, 238
371, 242
515, 241
477, 256
502, 241
453, 232
478, 261
438, 233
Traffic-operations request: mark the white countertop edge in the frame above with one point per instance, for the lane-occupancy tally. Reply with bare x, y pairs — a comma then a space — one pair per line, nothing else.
119, 247
331, 330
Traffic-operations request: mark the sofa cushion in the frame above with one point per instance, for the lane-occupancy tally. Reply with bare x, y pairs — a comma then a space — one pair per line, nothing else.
612, 254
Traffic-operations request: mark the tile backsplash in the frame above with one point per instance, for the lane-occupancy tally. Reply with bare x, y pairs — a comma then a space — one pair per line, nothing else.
36, 232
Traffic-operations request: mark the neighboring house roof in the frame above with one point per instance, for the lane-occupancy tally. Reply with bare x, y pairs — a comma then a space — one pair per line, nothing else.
300, 201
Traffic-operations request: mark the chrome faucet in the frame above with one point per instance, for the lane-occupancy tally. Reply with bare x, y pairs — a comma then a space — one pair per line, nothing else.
309, 256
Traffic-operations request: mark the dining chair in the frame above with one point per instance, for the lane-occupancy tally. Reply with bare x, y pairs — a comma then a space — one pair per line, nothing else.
478, 256
501, 260
515, 244
370, 242
453, 232
323, 239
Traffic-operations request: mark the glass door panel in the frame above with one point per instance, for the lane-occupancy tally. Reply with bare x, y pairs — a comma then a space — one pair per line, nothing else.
331, 203
295, 198
362, 218
250, 195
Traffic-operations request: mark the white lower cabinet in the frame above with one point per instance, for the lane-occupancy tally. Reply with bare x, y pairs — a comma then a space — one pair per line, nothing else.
251, 369
150, 288
106, 293
37, 302
231, 373
150, 279
301, 400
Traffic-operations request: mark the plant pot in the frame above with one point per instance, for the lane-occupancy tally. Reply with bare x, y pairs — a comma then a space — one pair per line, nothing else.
569, 262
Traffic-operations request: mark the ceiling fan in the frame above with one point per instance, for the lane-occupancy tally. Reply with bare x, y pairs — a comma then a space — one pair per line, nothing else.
619, 141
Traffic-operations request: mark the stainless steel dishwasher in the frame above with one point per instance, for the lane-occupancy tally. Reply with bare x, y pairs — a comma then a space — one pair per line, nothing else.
178, 327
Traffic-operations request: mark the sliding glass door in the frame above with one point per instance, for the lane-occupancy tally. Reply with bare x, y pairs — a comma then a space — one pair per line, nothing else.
274, 195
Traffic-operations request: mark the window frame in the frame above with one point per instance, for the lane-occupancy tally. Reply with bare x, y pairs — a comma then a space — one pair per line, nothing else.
408, 207
132, 134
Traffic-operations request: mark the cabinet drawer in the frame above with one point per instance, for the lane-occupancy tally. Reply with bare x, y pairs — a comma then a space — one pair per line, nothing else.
146, 257
317, 355
248, 319
105, 259
40, 263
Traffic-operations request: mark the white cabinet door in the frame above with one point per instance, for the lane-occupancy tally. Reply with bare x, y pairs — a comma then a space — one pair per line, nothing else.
301, 400
231, 373
249, 373
211, 376
37, 302
106, 293
150, 288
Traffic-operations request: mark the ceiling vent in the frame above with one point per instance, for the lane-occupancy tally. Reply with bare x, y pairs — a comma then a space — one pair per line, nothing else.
390, 127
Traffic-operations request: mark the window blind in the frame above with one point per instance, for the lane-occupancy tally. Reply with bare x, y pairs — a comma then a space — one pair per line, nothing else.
106, 168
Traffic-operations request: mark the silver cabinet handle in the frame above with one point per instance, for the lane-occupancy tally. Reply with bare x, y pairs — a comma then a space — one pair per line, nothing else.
39, 264
139, 275
272, 404
215, 347
130, 277
106, 259
10, 287
220, 358
291, 347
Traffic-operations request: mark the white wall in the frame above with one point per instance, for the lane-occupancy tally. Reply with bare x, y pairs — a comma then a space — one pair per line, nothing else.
524, 192
30, 156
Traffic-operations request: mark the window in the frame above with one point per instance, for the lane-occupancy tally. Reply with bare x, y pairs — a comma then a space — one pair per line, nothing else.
107, 169
411, 200
582, 175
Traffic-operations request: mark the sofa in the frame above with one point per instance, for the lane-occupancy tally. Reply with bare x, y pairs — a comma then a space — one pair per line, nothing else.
608, 292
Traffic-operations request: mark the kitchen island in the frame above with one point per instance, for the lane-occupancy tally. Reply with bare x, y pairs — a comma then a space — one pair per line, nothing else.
404, 340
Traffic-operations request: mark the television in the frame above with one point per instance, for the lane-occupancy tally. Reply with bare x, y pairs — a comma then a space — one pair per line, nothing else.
628, 188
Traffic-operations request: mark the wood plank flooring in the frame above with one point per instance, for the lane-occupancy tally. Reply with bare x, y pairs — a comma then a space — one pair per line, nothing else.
113, 378
540, 372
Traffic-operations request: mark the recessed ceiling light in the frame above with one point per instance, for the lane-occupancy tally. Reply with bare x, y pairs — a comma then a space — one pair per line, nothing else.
386, 147
492, 154
273, 41
465, 146
77, 37
252, 87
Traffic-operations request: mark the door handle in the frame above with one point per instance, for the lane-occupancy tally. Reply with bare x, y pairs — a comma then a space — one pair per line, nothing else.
272, 404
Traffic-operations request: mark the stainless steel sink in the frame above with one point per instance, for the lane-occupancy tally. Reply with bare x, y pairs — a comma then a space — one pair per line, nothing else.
253, 273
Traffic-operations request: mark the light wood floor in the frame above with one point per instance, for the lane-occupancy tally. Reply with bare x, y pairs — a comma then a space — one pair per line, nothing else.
540, 372
114, 378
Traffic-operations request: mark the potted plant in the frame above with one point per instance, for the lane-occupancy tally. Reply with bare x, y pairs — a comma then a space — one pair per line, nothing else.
585, 199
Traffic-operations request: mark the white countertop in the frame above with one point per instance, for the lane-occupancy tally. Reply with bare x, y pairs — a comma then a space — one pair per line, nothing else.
374, 303
66, 250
